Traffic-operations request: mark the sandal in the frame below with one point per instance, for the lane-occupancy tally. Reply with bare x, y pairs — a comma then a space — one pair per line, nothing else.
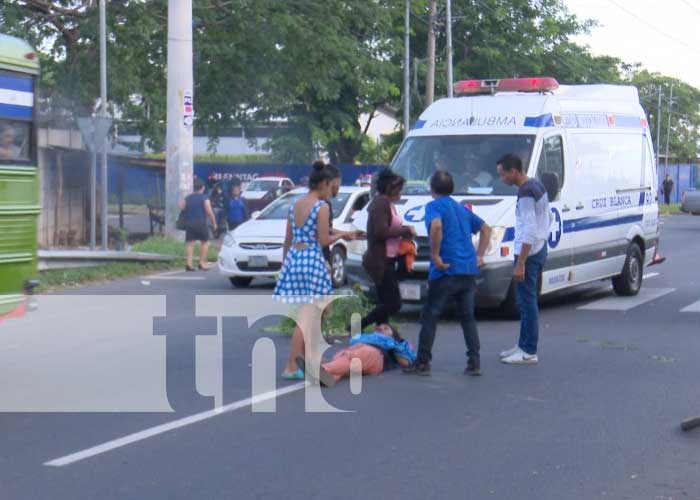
189, 268
202, 268
297, 375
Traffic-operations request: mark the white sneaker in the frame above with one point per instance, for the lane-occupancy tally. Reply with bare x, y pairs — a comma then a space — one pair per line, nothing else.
509, 352
520, 358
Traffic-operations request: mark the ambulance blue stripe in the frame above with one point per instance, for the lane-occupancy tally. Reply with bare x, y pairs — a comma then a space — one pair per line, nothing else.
546, 120
16, 112
584, 224
16, 83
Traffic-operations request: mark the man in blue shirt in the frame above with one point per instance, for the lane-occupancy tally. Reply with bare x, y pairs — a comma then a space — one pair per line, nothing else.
237, 211
454, 265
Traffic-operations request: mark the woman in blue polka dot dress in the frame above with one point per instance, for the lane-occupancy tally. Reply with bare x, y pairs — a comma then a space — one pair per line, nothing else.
305, 276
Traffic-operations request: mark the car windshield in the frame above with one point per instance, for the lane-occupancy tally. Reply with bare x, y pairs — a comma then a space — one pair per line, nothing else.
471, 159
14, 140
258, 185
279, 209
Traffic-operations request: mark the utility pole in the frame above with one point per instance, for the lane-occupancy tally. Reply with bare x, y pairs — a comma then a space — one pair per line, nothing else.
668, 130
407, 71
180, 114
658, 128
103, 114
450, 78
430, 77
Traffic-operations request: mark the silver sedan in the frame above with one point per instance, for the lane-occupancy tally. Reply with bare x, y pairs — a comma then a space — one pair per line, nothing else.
691, 201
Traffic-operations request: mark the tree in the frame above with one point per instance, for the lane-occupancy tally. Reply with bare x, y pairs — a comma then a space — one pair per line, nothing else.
685, 122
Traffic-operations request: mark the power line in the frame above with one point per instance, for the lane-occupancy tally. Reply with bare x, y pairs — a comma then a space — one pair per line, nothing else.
690, 5
653, 26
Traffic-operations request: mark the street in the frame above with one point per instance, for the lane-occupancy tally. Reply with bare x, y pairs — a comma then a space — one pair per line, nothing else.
597, 418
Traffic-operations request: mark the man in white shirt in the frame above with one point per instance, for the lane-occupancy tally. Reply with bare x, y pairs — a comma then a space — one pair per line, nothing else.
532, 222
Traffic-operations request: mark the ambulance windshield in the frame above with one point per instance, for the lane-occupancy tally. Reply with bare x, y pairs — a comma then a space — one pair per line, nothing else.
471, 159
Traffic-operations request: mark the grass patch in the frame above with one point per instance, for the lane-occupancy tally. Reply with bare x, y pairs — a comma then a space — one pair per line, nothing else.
672, 209
54, 279
335, 321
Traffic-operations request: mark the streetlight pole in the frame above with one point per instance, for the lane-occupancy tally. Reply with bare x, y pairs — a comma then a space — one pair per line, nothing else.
449, 49
668, 130
103, 114
658, 129
180, 114
407, 71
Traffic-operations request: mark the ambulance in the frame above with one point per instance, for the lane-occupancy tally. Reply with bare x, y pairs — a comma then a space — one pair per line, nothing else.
589, 145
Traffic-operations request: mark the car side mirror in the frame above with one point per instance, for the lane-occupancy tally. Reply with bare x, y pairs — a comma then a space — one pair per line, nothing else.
550, 180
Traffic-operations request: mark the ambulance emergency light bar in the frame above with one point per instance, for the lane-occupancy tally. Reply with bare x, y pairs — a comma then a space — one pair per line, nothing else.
476, 87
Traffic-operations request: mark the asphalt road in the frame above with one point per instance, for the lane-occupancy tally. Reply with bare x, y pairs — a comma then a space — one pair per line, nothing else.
598, 418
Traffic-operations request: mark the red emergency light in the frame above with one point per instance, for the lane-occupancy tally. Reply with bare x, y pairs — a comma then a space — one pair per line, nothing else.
475, 87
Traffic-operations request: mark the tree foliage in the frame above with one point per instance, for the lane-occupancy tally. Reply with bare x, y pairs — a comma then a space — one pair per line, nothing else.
315, 65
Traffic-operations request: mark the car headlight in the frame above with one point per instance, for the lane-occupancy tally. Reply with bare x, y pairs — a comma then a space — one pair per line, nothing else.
229, 240
497, 234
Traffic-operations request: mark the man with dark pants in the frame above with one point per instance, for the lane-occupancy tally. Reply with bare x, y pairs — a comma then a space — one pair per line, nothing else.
454, 266
667, 185
532, 221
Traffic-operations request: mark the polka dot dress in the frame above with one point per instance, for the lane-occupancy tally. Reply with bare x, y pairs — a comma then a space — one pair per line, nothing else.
304, 275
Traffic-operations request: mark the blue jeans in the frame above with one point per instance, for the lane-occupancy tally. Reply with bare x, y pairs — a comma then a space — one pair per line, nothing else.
461, 288
526, 298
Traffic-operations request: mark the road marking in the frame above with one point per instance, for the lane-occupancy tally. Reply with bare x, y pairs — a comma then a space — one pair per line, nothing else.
175, 424
625, 303
167, 273
692, 308
181, 278
649, 275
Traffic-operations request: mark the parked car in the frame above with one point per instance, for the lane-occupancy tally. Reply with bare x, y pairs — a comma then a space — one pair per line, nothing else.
254, 249
690, 201
264, 190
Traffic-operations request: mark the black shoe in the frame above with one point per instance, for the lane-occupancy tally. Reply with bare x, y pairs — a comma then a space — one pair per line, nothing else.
420, 368
473, 367
189, 268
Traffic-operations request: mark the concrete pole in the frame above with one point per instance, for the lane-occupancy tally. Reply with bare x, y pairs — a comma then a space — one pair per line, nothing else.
668, 130
102, 147
93, 199
450, 78
430, 77
179, 154
407, 71
658, 130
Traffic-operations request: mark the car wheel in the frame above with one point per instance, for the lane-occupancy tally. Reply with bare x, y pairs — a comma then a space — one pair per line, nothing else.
338, 267
240, 281
629, 281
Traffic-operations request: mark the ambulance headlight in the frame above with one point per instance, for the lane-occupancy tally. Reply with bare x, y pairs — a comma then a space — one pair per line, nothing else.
494, 246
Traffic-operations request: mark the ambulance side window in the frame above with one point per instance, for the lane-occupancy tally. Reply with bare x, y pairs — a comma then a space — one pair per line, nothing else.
550, 169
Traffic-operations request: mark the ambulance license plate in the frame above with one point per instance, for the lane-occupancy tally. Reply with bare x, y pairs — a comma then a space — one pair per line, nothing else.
409, 291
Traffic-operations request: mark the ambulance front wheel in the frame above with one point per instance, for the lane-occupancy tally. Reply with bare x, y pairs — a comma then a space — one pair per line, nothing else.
629, 281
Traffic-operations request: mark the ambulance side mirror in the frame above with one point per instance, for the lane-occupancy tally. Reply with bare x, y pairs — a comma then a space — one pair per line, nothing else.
551, 184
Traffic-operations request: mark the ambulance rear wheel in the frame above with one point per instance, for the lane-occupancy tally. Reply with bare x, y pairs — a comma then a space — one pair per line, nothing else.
629, 281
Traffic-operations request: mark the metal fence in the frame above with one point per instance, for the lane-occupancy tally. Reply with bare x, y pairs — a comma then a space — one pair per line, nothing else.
684, 175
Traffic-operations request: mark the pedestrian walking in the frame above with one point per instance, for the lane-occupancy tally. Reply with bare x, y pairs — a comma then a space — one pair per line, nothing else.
667, 186
304, 278
197, 209
454, 266
384, 233
237, 212
532, 221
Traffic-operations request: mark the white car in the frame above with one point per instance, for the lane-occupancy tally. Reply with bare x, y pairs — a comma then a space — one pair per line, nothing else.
254, 249
261, 191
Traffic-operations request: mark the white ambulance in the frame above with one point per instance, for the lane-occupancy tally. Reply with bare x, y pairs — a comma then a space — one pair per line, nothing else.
589, 145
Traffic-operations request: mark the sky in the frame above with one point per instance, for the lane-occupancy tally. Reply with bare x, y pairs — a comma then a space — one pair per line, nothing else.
663, 36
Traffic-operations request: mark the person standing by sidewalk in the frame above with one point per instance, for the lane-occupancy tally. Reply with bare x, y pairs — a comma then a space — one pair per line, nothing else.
532, 221
384, 233
237, 212
197, 208
667, 186
454, 265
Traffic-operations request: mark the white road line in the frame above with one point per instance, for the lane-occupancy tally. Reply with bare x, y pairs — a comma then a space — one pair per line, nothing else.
175, 278
167, 273
649, 275
626, 303
175, 424
692, 308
